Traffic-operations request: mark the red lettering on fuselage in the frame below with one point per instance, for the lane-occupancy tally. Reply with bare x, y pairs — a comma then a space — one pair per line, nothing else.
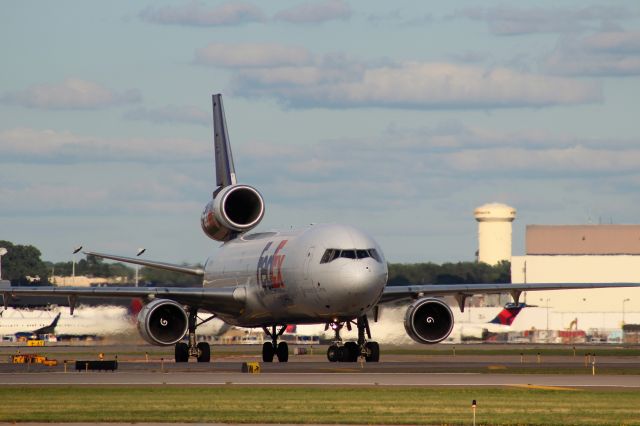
269, 270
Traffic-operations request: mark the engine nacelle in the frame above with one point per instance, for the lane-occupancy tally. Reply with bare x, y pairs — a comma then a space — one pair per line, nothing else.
162, 322
236, 208
428, 320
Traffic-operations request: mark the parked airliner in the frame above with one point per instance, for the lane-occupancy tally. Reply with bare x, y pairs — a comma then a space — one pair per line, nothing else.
329, 274
28, 330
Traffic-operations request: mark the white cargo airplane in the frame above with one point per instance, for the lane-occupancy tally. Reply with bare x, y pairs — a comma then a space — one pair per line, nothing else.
329, 274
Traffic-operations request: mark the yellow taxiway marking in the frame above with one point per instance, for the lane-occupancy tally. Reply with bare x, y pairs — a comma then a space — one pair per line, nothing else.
529, 386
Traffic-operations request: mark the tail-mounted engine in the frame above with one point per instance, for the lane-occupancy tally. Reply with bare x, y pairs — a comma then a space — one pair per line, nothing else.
428, 320
162, 322
235, 209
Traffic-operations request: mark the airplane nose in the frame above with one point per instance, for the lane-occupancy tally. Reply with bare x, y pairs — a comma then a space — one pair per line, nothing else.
363, 280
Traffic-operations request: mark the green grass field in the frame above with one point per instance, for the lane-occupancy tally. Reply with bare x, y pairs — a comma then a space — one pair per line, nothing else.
377, 405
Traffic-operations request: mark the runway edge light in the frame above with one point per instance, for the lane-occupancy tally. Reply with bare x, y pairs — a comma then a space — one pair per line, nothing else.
473, 407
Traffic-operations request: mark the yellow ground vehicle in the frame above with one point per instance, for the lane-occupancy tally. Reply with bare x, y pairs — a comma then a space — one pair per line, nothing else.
33, 359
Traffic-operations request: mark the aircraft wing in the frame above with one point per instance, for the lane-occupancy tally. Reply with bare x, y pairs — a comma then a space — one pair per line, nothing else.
218, 300
462, 291
159, 265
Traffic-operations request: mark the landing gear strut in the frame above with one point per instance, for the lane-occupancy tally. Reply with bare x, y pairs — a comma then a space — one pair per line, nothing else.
199, 350
269, 349
351, 351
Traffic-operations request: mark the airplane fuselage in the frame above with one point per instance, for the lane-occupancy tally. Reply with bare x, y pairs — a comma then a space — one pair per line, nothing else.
321, 273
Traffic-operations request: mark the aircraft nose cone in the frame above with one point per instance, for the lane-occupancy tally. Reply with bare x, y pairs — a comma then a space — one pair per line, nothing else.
363, 282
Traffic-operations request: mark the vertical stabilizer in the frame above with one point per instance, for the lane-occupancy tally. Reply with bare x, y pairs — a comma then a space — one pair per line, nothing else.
49, 329
508, 314
225, 170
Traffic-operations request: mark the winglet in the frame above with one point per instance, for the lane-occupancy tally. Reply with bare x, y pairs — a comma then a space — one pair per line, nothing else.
225, 170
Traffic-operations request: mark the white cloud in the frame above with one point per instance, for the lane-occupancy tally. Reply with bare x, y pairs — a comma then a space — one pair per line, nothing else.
49, 146
568, 161
507, 20
170, 114
252, 55
413, 85
72, 93
611, 53
431, 162
614, 41
400, 18
316, 12
198, 14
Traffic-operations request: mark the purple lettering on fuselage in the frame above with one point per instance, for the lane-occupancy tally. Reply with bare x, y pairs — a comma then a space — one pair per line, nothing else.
269, 271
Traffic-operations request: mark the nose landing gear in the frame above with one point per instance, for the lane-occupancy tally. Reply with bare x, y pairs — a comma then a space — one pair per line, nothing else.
269, 349
351, 351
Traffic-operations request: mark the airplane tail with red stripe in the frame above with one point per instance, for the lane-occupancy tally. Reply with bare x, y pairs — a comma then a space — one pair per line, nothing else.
508, 314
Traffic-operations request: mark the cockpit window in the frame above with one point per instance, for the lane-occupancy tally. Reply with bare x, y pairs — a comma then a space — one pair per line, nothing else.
332, 254
329, 255
349, 254
375, 255
362, 254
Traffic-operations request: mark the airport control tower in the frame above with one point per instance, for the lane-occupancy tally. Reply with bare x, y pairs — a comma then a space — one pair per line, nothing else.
494, 232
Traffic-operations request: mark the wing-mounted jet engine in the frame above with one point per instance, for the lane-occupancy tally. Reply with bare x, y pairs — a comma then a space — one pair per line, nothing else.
162, 322
428, 320
235, 208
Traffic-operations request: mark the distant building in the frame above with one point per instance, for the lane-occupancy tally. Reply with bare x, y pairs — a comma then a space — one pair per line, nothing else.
83, 281
582, 254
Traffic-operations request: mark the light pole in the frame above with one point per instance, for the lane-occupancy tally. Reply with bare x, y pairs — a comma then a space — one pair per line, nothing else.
73, 265
547, 300
623, 302
140, 251
3, 251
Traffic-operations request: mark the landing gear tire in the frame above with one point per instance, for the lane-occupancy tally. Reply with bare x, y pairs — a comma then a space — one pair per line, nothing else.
182, 352
267, 352
204, 352
351, 352
283, 352
341, 353
373, 352
332, 353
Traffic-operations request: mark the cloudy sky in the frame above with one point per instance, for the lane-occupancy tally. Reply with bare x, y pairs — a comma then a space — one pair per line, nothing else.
400, 117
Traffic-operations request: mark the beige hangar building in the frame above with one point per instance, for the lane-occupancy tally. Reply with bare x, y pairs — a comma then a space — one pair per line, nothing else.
567, 254
581, 254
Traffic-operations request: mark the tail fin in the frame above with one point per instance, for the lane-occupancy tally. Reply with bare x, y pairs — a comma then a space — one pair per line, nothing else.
50, 329
225, 170
55, 320
508, 314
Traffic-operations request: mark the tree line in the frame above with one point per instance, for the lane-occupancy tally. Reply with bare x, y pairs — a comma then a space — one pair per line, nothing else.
448, 273
22, 261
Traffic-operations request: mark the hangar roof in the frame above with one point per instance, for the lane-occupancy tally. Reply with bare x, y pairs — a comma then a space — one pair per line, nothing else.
582, 239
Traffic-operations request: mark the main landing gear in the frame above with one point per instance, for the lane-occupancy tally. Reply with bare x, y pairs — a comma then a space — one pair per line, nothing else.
269, 349
199, 350
351, 351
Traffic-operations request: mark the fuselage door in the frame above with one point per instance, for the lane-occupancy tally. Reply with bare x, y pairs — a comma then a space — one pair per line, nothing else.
307, 263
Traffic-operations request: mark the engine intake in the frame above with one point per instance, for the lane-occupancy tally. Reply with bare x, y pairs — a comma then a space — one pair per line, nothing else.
236, 208
428, 320
162, 322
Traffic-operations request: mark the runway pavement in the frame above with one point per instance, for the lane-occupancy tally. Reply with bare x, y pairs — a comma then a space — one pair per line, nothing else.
133, 378
394, 370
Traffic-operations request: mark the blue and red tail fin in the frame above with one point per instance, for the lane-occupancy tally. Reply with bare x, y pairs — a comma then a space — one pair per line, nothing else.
508, 314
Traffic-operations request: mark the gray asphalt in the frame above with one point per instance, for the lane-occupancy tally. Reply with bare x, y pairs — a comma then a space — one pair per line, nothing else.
132, 378
395, 370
